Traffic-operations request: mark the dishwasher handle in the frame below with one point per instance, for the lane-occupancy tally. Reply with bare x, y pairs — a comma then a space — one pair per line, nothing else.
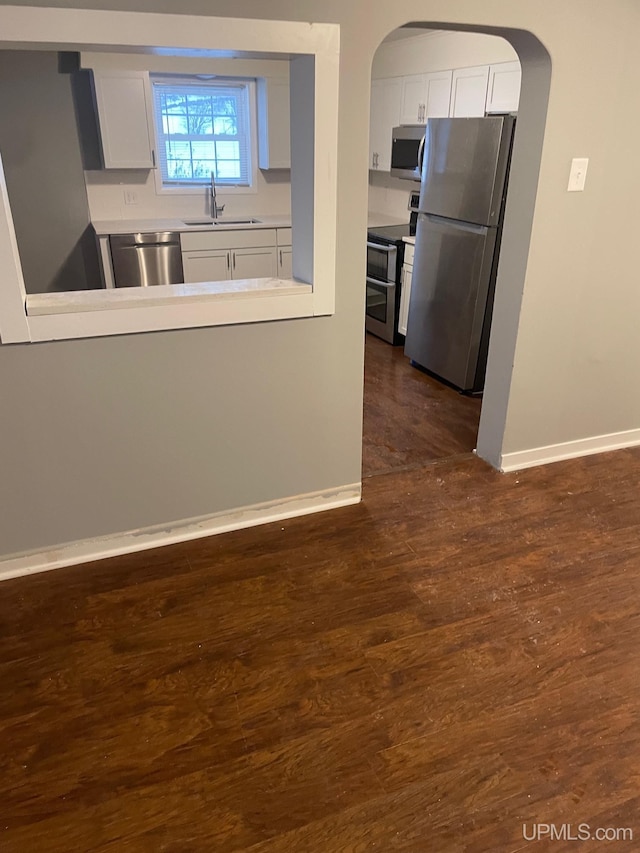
152, 238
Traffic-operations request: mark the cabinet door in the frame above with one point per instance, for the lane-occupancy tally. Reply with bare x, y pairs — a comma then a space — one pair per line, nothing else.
405, 296
503, 92
206, 266
285, 267
414, 98
274, 136
385, 115
469, 91
437, 94
253, 263
125, 118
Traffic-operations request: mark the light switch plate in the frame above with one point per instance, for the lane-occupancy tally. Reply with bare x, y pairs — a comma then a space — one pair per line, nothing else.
578, 174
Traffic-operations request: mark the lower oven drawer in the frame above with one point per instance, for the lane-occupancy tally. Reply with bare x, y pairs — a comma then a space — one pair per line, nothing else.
381, 309
378, 306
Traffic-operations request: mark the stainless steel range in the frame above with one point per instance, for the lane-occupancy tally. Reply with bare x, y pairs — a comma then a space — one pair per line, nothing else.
385, 252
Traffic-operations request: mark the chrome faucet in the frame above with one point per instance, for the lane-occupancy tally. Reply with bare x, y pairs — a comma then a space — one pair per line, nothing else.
216, 209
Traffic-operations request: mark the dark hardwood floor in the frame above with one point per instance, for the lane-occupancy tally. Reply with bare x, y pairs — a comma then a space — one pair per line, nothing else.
409, 417
452, 659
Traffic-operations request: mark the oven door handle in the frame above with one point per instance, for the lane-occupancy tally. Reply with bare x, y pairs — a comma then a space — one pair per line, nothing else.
387, 284
381, 247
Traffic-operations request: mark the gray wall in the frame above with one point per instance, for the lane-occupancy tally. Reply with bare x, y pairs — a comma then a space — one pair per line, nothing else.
104, 435
41, 152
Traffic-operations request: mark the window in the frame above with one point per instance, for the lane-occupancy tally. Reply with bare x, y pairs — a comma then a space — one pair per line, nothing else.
202, 127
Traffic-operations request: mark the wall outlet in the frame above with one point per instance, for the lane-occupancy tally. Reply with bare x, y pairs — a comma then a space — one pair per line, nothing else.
130, 197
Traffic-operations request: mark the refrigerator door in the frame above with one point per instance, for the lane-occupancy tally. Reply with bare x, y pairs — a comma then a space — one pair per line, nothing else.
465, 166
452, 272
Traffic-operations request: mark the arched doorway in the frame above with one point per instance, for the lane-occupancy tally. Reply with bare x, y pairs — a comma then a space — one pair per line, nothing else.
411, 418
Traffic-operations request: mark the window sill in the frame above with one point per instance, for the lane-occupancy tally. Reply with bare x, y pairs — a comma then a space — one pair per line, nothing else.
203, 189
97, 313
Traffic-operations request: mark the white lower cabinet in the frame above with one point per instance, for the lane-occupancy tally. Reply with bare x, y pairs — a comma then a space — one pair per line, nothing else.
253, 263
285, 254
285, 267
405, 289
206, 266
224, 256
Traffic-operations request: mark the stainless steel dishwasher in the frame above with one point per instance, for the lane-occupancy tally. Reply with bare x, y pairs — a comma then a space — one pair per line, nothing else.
142, 260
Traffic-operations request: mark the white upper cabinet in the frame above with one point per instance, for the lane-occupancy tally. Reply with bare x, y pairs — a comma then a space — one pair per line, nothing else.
425, 96
386, 95
438, 94
469, 91
123, 100
274, 135
414, 96
503, 92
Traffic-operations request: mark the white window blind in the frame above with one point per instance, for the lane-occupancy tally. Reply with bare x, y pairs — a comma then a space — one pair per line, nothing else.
202, 127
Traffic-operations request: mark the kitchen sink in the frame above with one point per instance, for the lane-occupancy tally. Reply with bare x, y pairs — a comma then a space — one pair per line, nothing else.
220, 221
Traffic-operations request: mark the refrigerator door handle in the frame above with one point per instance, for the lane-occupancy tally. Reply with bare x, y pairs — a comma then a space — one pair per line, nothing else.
456, 223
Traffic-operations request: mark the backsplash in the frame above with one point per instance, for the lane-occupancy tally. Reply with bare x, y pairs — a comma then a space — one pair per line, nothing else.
390, 195
108, 189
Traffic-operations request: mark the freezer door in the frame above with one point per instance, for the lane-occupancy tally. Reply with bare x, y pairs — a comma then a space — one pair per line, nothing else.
465, 167
452, 273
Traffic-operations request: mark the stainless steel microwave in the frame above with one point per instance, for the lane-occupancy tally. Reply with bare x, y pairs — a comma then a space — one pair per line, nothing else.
407, 148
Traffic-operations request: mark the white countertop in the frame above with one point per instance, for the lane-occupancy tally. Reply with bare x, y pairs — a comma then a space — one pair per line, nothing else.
105, 227
375, 220
411, 240
162, 294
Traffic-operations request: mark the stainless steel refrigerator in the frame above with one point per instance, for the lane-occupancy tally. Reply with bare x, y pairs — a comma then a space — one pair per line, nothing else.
462, 193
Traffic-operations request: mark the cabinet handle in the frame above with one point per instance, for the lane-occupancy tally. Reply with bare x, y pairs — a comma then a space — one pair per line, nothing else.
280, 257
229, 260
234, 260
153, 157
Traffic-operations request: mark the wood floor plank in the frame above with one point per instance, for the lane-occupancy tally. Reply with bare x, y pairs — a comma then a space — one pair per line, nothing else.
409, 417
429, 670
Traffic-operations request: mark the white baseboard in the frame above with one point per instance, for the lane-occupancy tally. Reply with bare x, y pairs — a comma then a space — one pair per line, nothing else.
194, 528
568, 450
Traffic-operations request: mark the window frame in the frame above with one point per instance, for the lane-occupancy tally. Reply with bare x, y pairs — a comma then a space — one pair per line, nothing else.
313, 50
224, 189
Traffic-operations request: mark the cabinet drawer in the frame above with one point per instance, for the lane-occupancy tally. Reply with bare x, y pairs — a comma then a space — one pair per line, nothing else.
247, 238
284, 236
